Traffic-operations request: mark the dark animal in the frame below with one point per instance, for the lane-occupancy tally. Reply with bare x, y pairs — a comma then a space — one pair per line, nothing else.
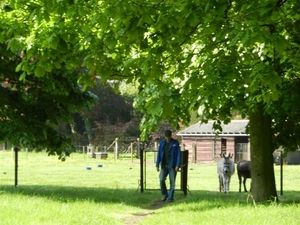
225, 170
243, 170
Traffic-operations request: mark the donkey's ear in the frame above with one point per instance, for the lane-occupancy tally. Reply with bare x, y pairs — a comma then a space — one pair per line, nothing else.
231, 155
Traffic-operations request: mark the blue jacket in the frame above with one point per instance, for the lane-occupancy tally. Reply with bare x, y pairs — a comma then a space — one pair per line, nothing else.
174, 153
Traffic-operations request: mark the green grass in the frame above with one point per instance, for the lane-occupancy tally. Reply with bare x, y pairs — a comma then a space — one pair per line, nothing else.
53, 192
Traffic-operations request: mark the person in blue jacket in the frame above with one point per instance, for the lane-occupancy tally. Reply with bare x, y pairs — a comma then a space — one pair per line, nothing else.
168, 159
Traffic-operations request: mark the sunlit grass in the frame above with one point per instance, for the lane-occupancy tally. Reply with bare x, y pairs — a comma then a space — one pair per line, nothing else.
53, 192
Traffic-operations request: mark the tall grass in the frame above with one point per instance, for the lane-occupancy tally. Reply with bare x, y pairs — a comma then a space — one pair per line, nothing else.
53, 192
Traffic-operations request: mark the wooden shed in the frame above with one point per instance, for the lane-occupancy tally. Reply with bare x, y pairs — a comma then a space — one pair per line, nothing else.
203, 145
292, 158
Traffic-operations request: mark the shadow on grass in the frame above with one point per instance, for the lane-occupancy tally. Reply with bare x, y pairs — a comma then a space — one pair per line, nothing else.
149, 199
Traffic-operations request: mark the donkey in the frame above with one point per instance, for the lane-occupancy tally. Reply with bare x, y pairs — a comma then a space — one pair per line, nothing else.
243, 170
226, 169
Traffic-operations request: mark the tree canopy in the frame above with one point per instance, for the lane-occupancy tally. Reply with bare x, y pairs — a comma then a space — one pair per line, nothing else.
219, 56
31, 108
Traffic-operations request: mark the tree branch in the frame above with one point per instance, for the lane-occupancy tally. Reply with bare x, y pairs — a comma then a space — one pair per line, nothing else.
280, 3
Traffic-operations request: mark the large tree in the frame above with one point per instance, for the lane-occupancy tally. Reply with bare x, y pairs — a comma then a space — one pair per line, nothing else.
219, 56
32, 109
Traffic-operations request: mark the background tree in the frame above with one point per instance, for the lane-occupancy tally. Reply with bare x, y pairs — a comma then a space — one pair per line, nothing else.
31, 110
112, 116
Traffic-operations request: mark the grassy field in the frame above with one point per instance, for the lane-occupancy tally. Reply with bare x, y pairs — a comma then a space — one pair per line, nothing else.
53, 192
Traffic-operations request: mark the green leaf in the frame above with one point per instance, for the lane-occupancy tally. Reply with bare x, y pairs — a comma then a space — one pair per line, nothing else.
19, 67
53, 41
235, 39
22, 77
167, 109
39, 71
156, 109
1, 37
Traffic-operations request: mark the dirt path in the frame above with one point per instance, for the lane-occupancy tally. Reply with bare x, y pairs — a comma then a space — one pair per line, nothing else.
136, 218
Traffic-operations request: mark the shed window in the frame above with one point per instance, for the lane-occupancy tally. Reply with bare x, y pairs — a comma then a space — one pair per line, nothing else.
241, 151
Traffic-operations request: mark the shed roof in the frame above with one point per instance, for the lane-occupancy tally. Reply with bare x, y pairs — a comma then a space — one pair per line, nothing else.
234, 128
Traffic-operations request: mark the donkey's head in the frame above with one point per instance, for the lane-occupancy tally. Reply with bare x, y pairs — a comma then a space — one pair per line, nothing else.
227, 162
226, 155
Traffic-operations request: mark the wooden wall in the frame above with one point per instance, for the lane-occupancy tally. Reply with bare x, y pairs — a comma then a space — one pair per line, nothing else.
206, 149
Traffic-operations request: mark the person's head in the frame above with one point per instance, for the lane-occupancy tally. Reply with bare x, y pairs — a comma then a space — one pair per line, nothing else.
168, 135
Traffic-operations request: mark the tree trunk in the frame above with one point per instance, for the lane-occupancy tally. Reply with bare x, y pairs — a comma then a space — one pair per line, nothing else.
263, 186
88, 128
